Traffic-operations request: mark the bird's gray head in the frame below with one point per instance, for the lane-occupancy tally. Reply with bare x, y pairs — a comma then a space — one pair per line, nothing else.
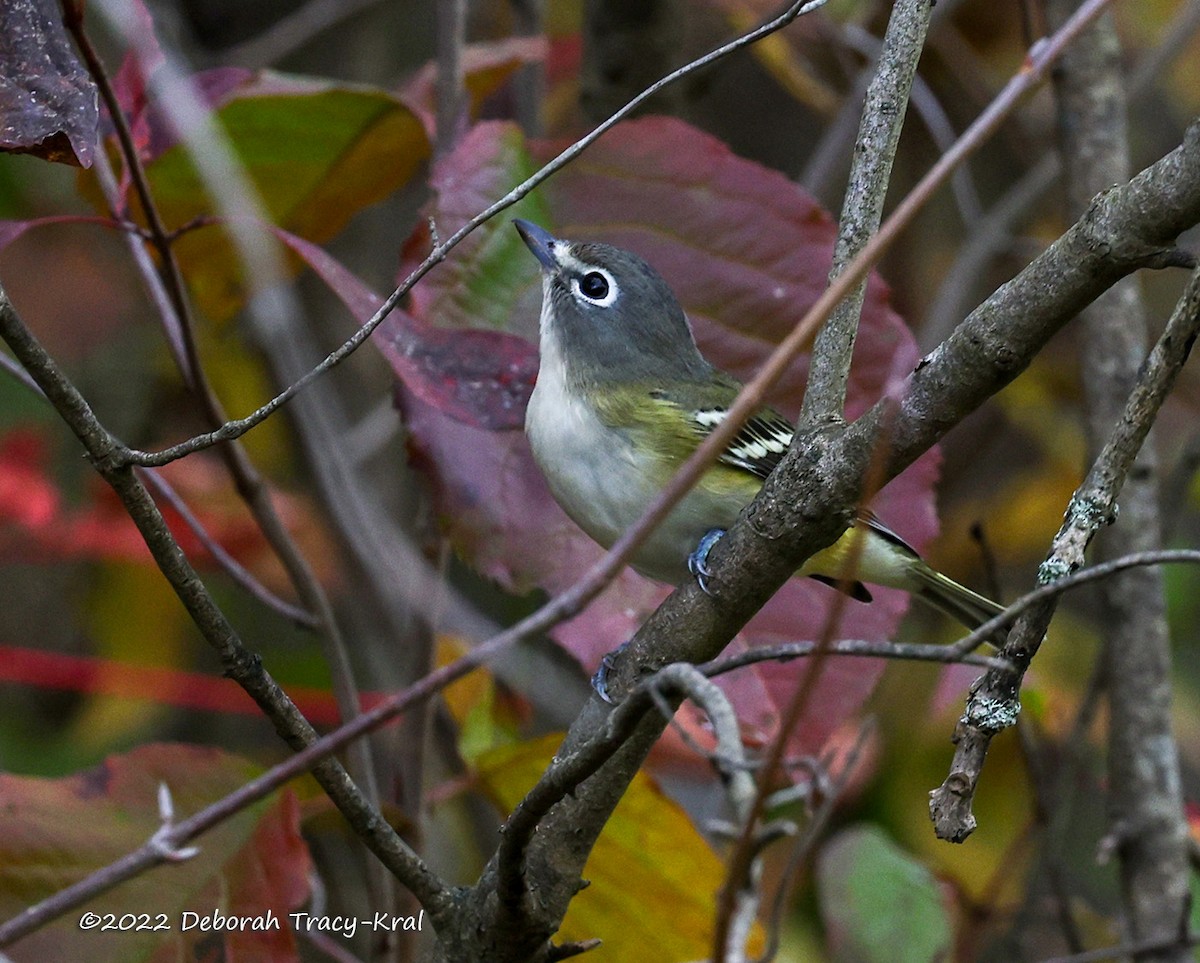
607, 313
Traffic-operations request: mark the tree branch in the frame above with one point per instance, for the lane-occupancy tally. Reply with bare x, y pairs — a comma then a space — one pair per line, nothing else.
862, 209
992, 705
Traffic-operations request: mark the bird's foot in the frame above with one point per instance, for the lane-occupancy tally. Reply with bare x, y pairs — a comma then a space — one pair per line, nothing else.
698, 560
607, 664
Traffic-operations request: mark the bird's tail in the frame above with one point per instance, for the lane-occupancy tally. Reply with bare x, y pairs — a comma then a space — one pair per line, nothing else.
957, 601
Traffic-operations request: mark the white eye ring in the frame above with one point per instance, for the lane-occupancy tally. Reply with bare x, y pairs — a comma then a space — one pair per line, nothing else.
610, 294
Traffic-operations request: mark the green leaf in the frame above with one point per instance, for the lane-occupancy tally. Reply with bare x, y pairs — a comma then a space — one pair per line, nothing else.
317, 153
878, 903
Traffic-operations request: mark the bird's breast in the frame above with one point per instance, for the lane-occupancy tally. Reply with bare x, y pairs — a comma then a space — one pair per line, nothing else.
604, 480
593, 471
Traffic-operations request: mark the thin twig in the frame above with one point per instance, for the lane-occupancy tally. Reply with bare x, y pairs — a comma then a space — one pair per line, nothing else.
1054, 588
230, 565
852, 648
13, 367
862, 210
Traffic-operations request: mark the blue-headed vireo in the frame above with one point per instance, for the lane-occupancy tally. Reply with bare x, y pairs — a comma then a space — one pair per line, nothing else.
623, 397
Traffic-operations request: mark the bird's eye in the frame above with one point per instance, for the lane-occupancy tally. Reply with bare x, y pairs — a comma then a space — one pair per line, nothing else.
594, 285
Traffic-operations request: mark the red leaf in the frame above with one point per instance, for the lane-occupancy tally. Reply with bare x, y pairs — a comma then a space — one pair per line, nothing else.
481, 378
27, 499
747, 252
157, 684
36, 524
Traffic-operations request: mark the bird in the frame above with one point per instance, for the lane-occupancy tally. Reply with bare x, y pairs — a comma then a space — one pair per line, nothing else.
623, 396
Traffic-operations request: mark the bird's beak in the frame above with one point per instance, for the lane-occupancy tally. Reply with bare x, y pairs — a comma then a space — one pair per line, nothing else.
541, 242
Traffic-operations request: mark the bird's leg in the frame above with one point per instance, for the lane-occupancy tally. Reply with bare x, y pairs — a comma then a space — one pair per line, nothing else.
698, 560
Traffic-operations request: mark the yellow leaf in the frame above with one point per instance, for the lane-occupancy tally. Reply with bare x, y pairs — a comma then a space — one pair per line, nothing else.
653, 877
485, 718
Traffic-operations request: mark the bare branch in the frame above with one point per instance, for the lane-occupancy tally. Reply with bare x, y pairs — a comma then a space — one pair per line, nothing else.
862, 208
992, 705
230, 565
855, 648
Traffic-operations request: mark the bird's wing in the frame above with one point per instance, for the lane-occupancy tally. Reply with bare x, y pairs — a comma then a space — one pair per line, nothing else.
759, 444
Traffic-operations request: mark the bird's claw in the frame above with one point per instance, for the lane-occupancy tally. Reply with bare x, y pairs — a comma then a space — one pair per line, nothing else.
698, 561
607, 664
